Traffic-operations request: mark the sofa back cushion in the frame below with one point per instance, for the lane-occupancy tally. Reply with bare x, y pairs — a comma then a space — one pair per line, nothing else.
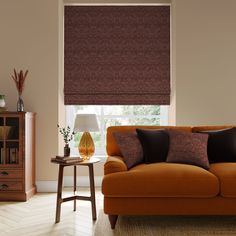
112, 147
213, 127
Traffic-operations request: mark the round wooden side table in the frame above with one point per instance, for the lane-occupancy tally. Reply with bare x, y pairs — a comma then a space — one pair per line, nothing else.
75, 197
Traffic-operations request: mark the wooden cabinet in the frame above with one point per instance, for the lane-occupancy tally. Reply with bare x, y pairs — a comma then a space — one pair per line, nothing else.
17, 156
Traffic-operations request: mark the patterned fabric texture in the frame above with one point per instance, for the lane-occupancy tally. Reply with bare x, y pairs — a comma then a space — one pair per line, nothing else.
112, 148
130, 148
117, 55
188, 148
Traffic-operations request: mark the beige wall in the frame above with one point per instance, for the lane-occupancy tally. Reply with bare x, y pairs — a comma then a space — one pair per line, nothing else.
29, 40
205, 61
204, 71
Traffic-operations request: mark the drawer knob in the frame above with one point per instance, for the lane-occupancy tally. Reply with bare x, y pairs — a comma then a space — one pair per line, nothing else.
4, 173
3, 186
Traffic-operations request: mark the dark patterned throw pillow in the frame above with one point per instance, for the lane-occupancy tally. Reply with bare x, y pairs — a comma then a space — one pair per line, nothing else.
130, 147
188, 148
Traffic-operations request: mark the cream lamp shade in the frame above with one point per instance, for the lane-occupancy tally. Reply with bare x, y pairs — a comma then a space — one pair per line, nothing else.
86, 123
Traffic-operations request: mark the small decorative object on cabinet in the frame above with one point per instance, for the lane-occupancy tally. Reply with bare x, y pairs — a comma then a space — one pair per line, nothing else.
17, 156
2, 103
19, 79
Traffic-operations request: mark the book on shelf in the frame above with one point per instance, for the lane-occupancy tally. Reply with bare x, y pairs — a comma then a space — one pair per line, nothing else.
2, 155
10, 155
66, 159
7, 161
13, 155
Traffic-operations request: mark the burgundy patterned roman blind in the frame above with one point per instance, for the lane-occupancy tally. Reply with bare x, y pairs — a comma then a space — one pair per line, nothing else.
117, 55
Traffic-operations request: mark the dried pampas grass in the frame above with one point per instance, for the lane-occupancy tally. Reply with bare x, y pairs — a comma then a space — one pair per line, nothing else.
19, 79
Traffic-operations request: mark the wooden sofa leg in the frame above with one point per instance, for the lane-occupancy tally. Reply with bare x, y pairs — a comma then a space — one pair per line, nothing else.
113, 219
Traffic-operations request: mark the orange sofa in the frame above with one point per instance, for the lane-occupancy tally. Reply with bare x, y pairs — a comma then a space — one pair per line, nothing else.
166, 188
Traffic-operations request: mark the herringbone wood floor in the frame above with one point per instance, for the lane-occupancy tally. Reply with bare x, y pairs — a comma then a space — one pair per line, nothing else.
36, 217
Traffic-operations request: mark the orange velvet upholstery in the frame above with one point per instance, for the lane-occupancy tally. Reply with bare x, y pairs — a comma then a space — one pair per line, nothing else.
167, 188
161, 180
226, 172
169, 206
114, 164
205, 128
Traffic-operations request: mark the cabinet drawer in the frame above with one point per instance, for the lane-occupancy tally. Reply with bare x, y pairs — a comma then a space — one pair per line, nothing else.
11, 186
11, 174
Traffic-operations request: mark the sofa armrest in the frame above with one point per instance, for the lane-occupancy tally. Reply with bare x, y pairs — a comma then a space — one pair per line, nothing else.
114, 164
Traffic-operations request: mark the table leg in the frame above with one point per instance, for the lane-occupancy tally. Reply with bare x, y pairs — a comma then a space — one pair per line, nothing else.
92, 191
59, 193
75, 187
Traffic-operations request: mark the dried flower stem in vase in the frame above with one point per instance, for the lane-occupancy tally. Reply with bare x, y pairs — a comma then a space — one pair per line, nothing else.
19, 79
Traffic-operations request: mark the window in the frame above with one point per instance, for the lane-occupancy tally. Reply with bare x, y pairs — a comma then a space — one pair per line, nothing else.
115, 115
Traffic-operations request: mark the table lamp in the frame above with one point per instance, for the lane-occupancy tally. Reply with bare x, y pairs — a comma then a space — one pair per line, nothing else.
86, 123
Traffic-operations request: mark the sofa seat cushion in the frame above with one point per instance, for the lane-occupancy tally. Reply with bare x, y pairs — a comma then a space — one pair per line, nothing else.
161, 180
226, 172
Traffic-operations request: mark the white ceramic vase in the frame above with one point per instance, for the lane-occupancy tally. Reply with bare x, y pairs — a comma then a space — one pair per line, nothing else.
2, 101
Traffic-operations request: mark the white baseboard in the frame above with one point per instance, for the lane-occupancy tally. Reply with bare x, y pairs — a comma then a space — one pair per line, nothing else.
46, 186
82, 181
